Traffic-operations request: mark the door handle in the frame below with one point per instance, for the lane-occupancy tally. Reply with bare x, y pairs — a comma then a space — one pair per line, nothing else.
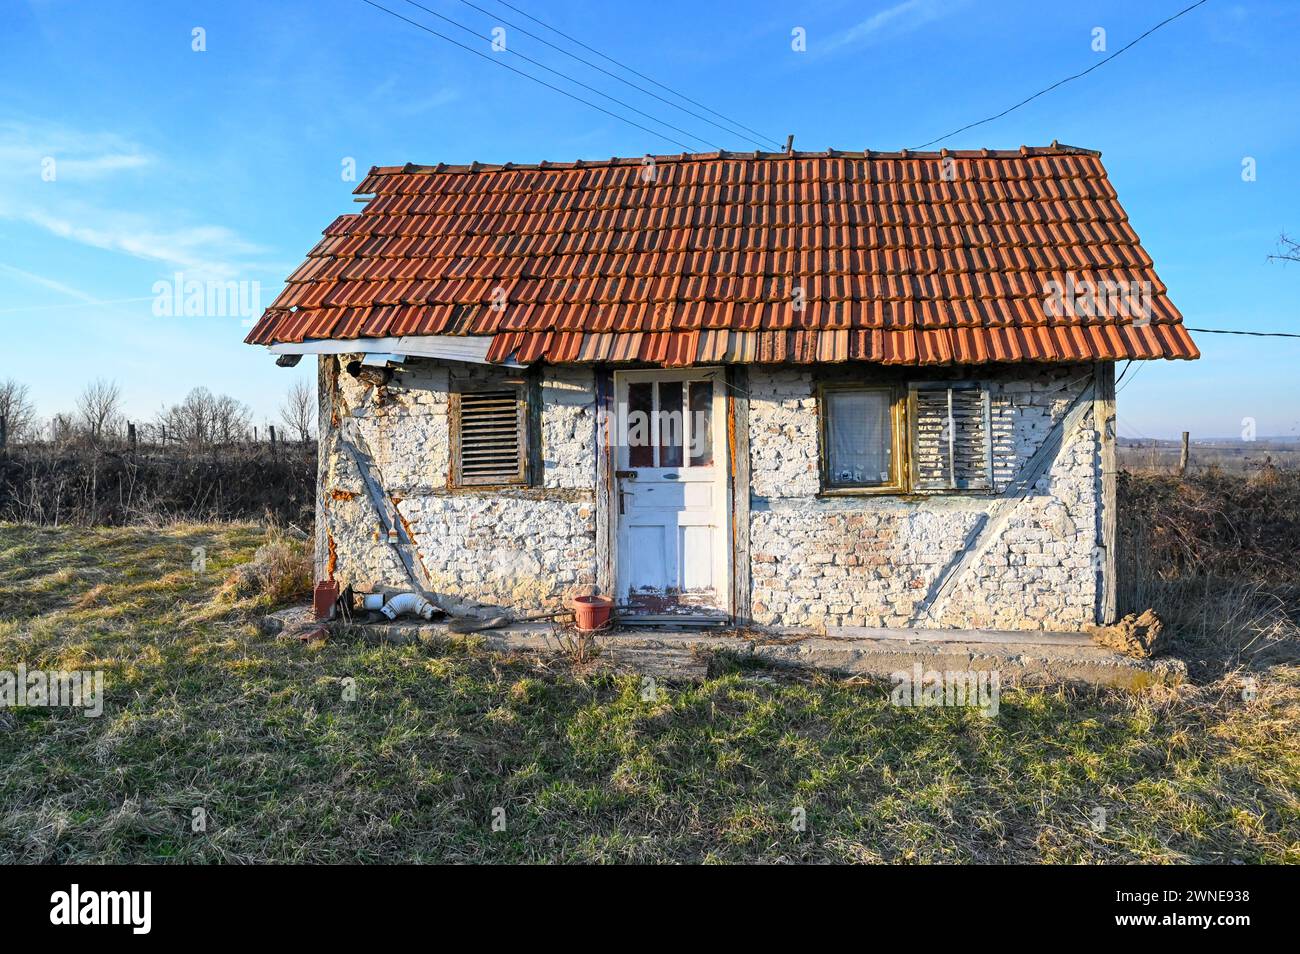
625, 474
672, 476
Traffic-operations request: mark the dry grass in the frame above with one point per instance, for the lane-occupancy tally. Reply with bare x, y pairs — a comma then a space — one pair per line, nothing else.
1215, 556
290, 765
279, 574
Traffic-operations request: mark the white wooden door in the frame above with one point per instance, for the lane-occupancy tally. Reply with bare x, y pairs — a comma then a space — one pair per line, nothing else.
670, 492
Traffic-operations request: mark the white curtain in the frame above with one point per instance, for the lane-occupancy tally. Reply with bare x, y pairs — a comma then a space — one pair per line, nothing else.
858, 431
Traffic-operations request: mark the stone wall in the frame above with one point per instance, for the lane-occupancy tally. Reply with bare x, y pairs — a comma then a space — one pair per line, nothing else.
524, 548
872, 560
817, 560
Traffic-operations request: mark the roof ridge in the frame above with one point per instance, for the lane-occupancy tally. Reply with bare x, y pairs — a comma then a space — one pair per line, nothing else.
1021, 152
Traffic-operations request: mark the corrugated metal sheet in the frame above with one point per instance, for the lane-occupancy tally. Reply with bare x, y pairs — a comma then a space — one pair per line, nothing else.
921, 258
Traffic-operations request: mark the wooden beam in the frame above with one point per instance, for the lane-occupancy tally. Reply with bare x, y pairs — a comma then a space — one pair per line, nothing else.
1103, 415
989, 528
913, 634
737, 390
327, 430
392, 529
604, 444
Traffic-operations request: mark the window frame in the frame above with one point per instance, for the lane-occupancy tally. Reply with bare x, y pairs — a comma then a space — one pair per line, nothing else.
898, 469
526, 428
986, 396
903, 419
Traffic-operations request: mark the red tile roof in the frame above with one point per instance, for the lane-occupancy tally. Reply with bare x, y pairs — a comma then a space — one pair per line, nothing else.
898, 258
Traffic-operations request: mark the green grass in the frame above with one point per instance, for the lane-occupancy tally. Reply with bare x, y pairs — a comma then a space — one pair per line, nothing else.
202, 711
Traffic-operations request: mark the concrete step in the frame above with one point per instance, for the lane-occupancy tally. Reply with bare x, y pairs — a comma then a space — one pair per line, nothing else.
1020, 658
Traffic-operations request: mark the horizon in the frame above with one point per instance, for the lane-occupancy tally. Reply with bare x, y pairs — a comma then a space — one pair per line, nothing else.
225, 163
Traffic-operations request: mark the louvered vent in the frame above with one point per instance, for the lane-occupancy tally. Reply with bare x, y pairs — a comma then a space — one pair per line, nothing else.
951, 449
490, 448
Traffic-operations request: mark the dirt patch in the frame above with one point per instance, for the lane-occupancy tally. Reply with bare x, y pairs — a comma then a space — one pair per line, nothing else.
95, 596
1140, 636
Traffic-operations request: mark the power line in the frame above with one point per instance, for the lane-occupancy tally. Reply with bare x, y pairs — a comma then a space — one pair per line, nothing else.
1066, 80
1124, 372
626, 82
472, 32
1132, 379
648, 79
498, 62
1254, 334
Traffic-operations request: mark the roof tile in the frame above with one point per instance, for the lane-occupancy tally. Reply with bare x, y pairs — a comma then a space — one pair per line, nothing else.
897, 258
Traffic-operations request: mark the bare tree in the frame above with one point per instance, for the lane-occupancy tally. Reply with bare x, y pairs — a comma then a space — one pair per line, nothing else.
299, 410
99, 409
190, 421
203, 419
1288, 250
230, 419
17, 410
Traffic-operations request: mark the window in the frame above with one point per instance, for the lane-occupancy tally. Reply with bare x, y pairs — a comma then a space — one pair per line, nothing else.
859, 437
489, 437
922, 437
951, 449
669, 424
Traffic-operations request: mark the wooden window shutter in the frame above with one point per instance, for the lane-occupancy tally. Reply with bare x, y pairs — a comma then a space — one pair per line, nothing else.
951, 440
489, 431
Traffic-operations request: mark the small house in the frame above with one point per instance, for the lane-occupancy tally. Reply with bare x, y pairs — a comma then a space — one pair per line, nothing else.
791, 390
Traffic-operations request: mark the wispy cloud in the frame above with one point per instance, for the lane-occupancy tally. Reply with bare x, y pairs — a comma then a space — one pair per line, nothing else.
891, 21
27, 148
443, 97
71, 184
80, 298
394, 98
208, 251
49, 283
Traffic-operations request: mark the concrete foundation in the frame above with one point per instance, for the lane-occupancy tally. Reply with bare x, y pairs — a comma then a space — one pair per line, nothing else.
1020, 658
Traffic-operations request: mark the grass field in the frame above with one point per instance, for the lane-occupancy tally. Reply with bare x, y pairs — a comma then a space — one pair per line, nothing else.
203, 712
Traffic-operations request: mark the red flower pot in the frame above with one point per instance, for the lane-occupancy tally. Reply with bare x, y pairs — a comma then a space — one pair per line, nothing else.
592, 612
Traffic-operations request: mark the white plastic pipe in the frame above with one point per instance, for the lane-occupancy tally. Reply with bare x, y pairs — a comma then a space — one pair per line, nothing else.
408, 603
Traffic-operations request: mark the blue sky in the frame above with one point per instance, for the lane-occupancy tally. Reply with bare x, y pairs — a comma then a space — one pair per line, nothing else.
226, 164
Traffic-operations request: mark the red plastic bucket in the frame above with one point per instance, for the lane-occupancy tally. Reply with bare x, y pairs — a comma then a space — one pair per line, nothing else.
592, 612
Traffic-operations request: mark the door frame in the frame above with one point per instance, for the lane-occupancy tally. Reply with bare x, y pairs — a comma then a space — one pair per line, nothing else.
725, 428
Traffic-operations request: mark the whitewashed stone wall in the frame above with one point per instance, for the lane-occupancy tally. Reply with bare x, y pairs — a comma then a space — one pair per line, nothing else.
817, 561
525, 548
872, 560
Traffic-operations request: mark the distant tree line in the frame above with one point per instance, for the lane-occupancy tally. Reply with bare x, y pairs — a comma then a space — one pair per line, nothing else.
201, 420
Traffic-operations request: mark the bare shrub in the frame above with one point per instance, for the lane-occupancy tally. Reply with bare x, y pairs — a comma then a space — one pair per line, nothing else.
54, 485
204, 419
280, 573
1214, 555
